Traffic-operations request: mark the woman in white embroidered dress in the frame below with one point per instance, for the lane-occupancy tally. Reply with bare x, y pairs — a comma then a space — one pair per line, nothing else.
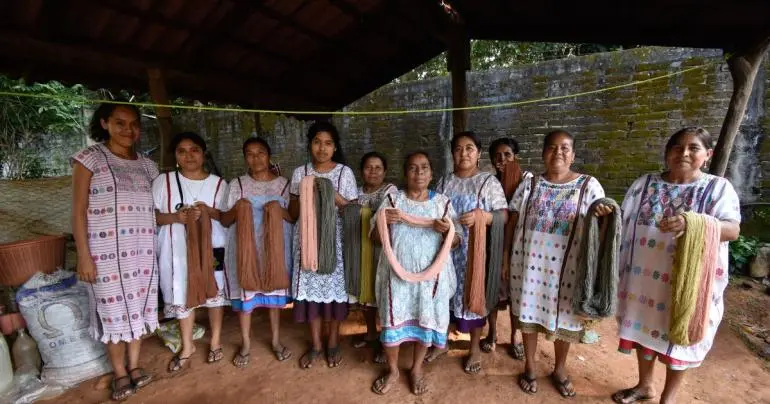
651, 222
552, 210
320, 297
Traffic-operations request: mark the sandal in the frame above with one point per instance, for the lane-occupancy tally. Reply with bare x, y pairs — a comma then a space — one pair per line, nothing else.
334, 356
176, 363
632, 395
384, 383
531, 383
488, 344
241, 360
282, 353
472, 368
565, 387
435, 354
215, 355
306, 361
516, 351
123, 392
143, 379
419, 387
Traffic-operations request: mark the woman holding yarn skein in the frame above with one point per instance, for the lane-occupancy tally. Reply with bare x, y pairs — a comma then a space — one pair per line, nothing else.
674, 264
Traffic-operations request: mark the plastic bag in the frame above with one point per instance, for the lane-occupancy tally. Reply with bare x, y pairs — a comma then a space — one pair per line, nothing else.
171, 335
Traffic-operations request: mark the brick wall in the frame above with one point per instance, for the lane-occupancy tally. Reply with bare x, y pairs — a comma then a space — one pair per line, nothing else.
620, 133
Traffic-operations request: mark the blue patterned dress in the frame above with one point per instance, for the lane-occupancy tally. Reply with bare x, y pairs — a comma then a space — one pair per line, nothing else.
483, 191
415, 311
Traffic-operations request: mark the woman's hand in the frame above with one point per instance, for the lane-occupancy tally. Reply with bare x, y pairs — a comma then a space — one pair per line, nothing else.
673, 224
468, 218
181, 215
603, 210
86, 269
392, 216
441, 225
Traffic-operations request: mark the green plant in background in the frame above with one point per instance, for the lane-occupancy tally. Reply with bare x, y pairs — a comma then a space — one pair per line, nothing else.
742, 251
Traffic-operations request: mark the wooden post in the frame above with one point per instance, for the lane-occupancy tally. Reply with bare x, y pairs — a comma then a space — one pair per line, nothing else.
458, 63
744, 65
159, 96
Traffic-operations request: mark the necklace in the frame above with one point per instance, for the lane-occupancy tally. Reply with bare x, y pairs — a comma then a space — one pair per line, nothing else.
194, 195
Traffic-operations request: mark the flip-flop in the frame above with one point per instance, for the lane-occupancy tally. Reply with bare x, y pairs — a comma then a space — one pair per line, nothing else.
531, 383
516, 351
175, 365
381, 385
311, 356
333, 357
565, 387
633, 394
215, 355
282, 354
472, 368
143, 379
419, 386
123, 392
241, 360
488, 344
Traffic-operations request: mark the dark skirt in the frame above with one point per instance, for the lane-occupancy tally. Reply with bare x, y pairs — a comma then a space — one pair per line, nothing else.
305, 311
465, 326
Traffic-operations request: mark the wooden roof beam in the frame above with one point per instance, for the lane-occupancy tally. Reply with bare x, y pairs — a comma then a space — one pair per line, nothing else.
314, 35
79, 48
202, 38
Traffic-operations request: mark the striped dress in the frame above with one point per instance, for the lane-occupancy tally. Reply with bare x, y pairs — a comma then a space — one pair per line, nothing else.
121, 237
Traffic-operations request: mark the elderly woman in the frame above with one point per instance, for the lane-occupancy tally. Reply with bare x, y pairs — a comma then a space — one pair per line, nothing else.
374, 167
471, 191
415, 311
552, 208
652, 217
504, 155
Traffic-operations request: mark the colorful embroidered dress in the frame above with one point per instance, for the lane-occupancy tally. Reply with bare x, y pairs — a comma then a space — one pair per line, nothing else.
644, 292
543, 256
121, 237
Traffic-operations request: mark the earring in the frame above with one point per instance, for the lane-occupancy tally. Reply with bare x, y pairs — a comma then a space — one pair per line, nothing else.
478, 163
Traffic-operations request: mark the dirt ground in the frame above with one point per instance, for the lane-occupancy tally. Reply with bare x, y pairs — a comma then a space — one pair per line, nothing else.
731, 373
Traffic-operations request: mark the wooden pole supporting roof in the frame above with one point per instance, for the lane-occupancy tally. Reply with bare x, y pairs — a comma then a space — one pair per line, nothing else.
744, 65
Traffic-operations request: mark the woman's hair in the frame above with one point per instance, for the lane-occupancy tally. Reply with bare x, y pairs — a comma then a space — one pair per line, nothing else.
191, 136
323, 126
559, 132
259, 141
103, 113
413, 154
470, 135
702, 134
374, 154
513, 144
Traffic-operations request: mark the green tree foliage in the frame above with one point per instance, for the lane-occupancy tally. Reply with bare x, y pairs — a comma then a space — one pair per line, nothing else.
26, 124
487, 55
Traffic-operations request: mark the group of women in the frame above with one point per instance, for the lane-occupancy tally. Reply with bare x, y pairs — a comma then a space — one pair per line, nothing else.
455, 253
